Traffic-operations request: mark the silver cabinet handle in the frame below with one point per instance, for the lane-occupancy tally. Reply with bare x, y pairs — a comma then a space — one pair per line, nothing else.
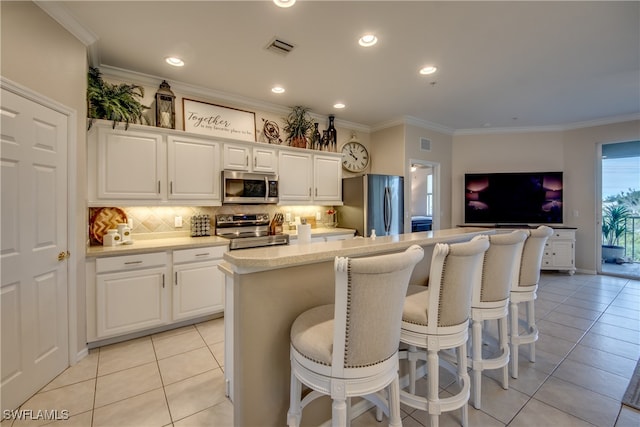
171, 187
316, 191
246, 160
132, 262
162, 280
203, 254
176, 273
158, 186
309, 191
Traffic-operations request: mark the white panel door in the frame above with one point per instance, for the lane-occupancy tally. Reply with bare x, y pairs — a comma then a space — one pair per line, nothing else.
296, 176
197, 289
33, 293
194, 169
327, 178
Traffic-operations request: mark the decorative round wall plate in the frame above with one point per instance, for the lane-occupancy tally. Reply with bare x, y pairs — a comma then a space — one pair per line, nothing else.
103, 219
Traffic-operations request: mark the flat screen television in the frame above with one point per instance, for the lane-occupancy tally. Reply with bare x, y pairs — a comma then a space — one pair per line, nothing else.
513, 198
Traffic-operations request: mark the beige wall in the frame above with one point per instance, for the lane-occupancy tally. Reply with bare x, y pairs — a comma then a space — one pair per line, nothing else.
387, 151
574, 152
441, 153
39, 54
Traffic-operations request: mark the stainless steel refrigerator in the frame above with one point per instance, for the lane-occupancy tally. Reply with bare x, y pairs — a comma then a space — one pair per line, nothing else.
373, 202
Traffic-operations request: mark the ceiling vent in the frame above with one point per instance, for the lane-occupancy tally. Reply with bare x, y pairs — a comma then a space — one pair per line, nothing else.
280, 46
425, 144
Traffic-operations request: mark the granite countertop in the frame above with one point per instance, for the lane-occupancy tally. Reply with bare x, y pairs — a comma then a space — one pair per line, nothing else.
171, 241
260, 259
158, 244
322, 231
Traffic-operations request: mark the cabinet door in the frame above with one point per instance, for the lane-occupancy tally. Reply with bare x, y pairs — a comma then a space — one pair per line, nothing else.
194, 169
197, 289
327, 178
131, 301
295, 178
562, 253
236, 157
265, 160
130, 165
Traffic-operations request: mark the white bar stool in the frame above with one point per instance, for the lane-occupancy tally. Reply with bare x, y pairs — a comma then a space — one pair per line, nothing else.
490, 301
437, 318
523, 290
350, 348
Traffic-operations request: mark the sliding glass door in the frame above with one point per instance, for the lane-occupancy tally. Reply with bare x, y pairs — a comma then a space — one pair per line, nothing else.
620, 208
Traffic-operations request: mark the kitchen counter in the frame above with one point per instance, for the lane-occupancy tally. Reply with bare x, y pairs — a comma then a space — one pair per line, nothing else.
146, 245
259, 259
267, 288
322, 232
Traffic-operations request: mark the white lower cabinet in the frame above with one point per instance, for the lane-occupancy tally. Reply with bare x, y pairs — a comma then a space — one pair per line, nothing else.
559, 251
198, 285
131, 293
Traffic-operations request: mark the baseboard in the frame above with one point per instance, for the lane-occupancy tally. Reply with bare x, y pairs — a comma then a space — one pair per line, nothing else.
81, 355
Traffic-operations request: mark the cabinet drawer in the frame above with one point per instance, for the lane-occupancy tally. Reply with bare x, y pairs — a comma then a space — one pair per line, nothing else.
198, 254
563, 234
130, 262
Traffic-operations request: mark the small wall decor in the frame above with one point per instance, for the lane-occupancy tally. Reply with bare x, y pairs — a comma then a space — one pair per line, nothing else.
165, 107
216, 120
271, 131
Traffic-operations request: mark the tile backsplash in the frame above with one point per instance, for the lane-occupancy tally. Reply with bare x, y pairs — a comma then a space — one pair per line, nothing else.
149, 220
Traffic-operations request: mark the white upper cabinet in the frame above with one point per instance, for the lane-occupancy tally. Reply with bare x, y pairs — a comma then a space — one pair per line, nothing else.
296, 176
327, 178
130, 165
251, 159
193, 169
151, 167
306, 177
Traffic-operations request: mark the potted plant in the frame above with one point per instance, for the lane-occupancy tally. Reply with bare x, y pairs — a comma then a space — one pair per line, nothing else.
298, 125
115, 102
614, 225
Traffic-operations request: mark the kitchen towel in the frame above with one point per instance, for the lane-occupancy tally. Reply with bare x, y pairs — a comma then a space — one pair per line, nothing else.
304, 233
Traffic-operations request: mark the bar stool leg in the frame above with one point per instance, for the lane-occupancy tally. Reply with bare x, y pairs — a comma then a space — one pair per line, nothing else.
411, 357
476, 349
515, 339
395, 419
531, 323
293, 416
504, 346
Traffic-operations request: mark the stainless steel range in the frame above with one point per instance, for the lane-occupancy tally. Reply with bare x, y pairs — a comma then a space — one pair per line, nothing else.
248, 231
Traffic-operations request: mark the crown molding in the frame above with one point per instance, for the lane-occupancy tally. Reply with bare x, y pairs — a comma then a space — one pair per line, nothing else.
188, 89
553, 128
62, 16
413, 121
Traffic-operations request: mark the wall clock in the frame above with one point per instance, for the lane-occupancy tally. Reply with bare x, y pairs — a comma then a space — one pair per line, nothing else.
355, 157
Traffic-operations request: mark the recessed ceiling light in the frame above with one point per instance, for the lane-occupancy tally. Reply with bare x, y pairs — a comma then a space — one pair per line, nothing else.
176, 62
368, 40
277, 89
429, 69
339, 105
284, 3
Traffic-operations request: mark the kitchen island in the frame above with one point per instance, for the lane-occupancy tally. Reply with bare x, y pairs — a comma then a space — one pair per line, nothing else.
267, 288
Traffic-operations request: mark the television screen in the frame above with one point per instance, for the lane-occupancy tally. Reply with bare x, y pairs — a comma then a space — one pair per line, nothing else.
513, 198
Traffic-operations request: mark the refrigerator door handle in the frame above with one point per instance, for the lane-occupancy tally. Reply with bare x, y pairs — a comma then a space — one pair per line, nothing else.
387, 210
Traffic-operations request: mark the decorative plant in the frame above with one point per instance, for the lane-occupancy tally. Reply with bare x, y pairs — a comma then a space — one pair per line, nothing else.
298, 125
614, 223
115, 102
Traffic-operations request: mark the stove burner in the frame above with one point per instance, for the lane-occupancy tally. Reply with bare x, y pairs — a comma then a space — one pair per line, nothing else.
247, 231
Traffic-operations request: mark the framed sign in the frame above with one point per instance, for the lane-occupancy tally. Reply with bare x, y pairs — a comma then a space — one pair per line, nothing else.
216, 120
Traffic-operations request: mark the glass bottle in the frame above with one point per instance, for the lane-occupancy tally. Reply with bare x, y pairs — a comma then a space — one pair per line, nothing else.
315, 138
333, 135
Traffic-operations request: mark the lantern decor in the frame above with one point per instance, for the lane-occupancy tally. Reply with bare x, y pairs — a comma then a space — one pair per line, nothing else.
165, 107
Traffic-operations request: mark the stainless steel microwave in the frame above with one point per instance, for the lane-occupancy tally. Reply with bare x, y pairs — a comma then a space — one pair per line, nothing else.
249, 188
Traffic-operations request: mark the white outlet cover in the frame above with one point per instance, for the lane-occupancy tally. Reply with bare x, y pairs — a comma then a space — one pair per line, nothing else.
177, 222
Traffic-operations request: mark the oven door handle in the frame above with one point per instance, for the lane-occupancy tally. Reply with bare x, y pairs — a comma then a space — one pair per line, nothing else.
266, 189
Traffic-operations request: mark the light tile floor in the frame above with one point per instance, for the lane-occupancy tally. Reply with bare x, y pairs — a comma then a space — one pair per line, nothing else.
588, 347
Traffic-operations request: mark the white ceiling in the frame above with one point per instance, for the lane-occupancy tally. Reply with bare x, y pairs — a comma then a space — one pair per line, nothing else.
500, 64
